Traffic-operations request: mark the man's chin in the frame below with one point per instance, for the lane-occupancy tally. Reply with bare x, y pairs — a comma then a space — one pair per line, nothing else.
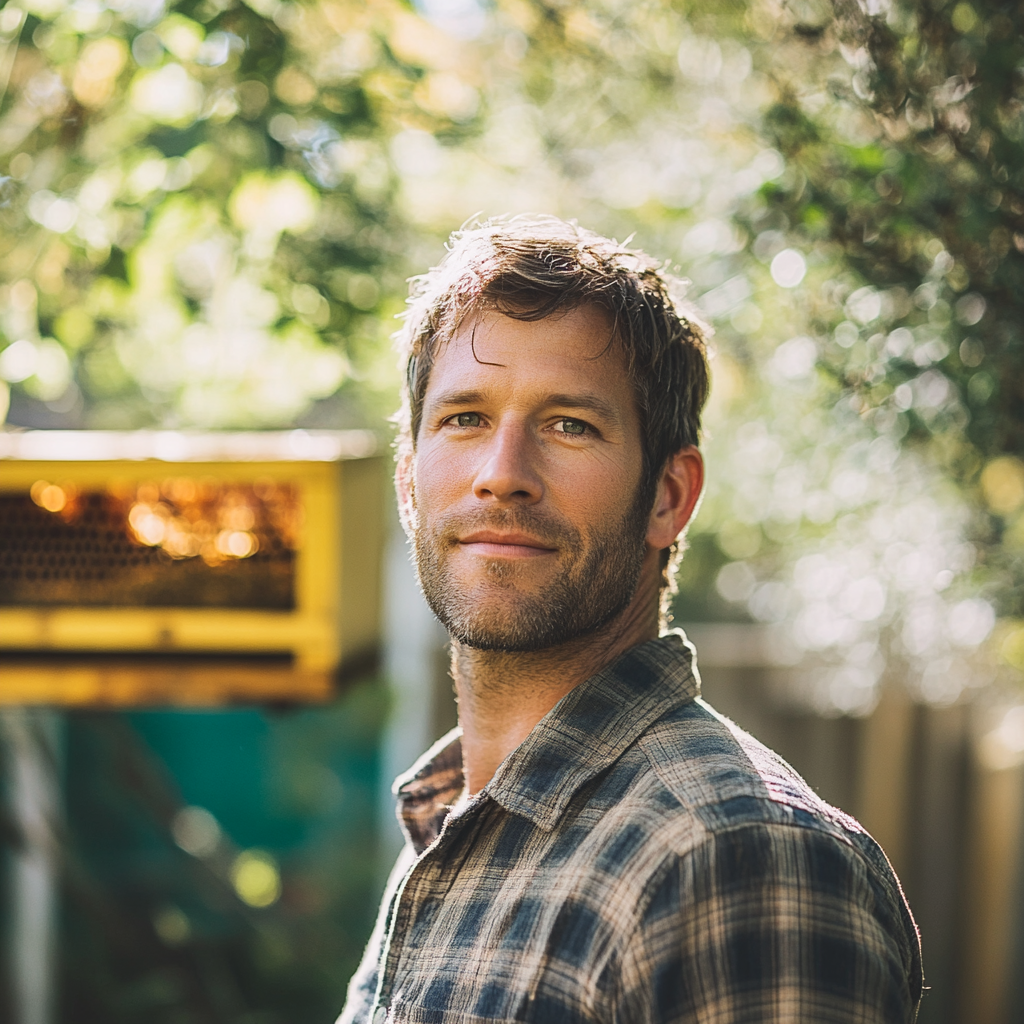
496, 621
527, 628
507, 642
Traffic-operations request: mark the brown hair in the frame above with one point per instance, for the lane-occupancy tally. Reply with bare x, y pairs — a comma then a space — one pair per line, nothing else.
529, 267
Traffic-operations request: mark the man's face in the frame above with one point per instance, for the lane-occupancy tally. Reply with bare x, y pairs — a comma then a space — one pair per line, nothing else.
523, 490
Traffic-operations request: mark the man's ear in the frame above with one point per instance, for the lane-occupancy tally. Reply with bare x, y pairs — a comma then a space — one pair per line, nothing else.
679, 490
404, 488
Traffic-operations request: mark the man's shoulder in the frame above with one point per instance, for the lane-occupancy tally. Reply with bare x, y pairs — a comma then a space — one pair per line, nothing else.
702, 799
701, 775
726, 776
748, 883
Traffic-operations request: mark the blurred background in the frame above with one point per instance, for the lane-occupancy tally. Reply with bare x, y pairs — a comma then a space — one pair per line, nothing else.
208, 213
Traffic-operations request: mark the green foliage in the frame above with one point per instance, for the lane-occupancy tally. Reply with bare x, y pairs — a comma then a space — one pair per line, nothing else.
929, 213
198, 205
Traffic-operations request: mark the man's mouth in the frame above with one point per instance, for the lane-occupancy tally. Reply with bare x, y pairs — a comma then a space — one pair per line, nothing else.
495, 544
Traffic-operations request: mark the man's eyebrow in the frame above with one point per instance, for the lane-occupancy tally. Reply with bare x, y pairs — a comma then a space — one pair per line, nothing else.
594, 403
467, 397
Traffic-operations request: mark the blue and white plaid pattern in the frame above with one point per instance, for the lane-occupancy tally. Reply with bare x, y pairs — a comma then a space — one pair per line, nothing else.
638, 858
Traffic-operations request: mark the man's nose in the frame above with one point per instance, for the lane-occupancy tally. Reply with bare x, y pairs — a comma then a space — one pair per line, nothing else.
509, 472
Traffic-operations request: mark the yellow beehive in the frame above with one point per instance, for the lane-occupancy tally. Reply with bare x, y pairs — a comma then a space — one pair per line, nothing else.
162, 567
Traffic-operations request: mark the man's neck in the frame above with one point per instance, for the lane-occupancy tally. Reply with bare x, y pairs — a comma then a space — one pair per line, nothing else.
504, 694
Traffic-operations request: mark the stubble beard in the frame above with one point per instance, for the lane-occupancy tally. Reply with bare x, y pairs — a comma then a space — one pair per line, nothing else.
596, 578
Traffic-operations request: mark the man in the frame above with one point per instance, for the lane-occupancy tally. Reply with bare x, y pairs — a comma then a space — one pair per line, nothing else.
594, 843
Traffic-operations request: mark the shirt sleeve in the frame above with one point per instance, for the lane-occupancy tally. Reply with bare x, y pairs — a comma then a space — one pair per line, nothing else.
772, 923
362, 988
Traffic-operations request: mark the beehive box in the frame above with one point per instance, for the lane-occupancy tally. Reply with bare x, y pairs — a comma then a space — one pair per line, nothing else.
162, 567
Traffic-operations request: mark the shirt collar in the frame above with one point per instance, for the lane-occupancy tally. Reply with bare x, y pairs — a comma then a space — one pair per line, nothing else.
593, 725
584, 733
429, 789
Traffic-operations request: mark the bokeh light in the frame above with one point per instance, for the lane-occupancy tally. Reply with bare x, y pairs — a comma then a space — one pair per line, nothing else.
196, 831
256, 878
788, 268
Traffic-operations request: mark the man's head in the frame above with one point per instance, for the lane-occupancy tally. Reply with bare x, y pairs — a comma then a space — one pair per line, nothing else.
544, 353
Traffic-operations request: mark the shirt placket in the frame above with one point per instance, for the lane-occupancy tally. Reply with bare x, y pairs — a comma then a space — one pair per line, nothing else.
427, 879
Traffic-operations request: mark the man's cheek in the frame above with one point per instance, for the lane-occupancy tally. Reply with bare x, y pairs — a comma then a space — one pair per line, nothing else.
440, 462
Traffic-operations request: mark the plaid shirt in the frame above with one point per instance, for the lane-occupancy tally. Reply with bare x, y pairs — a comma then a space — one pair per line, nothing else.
638, 858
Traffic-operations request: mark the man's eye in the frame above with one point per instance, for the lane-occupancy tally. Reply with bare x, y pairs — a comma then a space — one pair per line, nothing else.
468, 419
576, 427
